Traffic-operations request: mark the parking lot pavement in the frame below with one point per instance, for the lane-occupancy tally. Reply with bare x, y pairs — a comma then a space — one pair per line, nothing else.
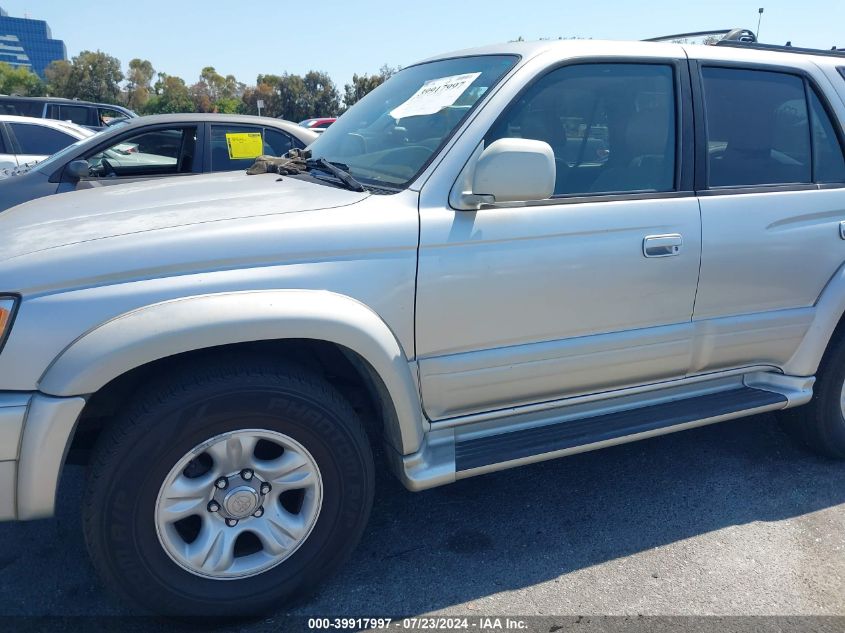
731, 519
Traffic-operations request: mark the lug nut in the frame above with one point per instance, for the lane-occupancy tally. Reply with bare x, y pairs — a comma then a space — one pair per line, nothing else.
246, 474
221, 483
231, 522
258, 512
265, 488
213, 506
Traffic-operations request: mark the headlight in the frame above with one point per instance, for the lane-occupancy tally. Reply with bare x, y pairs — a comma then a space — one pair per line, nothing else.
7, 313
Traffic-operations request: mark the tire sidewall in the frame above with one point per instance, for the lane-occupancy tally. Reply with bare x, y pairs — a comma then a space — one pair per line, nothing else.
130, 492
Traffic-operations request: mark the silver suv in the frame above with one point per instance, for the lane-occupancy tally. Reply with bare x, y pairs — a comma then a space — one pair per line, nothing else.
499, 256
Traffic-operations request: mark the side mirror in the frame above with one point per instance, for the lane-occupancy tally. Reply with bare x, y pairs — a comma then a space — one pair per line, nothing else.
514, 170
75, 170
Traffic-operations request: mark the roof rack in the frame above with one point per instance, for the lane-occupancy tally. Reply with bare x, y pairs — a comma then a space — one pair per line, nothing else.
737, 35
786, 48
744, 38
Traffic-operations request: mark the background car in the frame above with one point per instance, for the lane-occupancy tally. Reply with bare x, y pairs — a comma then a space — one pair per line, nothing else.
26, 140
319, 125
95, 116
155, 147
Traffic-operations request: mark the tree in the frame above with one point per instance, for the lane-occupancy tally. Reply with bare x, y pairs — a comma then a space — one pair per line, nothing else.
321, 95
171, 95
266, 91
139, 78
58, 75
91, 75
216, 93
293, 97
20, 81
363, 84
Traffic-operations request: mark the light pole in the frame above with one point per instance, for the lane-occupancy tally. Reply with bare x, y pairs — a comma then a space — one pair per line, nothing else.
759, 19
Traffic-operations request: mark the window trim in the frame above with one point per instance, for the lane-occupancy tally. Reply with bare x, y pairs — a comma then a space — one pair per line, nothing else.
702, 186
684, 129
5, 141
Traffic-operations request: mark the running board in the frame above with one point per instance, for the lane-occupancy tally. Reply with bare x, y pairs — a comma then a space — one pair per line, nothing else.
476, 444
517, 445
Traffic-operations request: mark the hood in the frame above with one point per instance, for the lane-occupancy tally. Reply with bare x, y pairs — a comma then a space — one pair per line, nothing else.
119, 210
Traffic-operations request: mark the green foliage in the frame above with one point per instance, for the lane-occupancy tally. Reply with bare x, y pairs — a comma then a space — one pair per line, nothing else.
91, 76
96, 76
293, 97
139, 78
20, 81
171, 95
363, 84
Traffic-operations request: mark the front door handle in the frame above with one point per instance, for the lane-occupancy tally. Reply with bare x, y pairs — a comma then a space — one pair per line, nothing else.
662, 245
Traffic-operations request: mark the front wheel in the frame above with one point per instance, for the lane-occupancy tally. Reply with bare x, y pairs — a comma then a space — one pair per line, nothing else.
227, 490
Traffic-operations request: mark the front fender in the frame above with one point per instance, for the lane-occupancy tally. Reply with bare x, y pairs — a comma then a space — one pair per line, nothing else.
192, 323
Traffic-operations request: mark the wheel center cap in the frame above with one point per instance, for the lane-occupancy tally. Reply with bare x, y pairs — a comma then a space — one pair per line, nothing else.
241, 502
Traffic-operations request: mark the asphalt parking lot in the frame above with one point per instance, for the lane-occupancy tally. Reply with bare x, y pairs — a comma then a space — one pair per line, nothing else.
731, 519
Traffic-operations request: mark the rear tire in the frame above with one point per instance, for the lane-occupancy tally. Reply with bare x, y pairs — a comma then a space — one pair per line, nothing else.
150, 527
820, 424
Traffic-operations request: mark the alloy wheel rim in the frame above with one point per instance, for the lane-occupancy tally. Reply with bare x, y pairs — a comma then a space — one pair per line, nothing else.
238, 504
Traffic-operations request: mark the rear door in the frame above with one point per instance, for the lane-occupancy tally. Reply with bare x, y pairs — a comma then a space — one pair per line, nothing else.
772, 200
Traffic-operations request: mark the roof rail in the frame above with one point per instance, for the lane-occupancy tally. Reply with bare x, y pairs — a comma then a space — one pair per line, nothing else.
737, 35
786, 48
744, 38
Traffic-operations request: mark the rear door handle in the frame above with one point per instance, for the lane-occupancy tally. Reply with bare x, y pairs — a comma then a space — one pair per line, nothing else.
662, 245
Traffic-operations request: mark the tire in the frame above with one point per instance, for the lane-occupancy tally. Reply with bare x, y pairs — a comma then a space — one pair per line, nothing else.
820, 424
202, 414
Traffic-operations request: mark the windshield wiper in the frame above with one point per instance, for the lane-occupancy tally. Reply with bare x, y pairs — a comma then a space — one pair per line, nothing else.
338, 170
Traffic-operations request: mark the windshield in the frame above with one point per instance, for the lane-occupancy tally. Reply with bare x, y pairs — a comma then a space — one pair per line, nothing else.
388, 137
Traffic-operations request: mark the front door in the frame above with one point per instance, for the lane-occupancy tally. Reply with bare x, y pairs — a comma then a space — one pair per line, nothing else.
588, 291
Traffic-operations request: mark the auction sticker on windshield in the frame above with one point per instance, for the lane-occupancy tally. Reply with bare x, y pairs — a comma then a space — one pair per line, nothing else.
434, 95
244, 145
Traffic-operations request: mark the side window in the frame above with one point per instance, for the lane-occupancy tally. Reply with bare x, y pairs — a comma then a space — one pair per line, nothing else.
758, 130
154, 152
828, 162
107, 116
3, 142
278, 143
235, 147
76, 114
21, 108
611, 126
39, 140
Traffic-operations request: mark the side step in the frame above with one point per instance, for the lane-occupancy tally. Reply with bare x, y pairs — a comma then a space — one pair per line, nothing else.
517, 445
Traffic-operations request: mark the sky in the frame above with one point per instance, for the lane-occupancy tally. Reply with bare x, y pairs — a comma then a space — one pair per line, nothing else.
248, 37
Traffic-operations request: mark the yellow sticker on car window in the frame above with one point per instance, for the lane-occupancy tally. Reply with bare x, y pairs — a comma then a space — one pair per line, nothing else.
244, 145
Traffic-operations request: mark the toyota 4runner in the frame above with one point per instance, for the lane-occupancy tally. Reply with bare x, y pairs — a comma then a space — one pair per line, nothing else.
499, 256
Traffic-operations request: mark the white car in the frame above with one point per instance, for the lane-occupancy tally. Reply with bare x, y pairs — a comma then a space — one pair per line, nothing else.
29, 140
